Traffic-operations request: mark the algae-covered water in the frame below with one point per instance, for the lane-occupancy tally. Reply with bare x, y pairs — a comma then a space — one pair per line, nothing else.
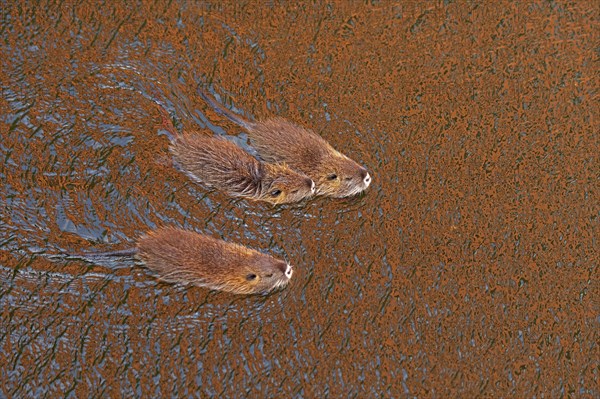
469, 268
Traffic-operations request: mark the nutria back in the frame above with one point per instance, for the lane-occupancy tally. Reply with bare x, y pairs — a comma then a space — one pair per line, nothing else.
218, 163
188, 257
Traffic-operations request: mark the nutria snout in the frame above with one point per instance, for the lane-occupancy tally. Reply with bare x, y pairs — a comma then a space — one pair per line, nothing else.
280, 141
221, 164
187, 257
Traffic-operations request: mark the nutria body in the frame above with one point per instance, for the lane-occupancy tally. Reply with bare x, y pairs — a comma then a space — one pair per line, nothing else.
183, 256
219, 163
187, 257
278, 140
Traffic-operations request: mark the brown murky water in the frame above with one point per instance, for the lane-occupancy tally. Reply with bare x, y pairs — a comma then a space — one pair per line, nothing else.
470, 267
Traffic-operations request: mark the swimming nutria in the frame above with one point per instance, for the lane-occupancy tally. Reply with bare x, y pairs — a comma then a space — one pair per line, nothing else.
182, 256
223, 165
278, 140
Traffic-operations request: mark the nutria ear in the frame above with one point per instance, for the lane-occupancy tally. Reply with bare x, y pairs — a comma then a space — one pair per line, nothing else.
310, 183
257, 174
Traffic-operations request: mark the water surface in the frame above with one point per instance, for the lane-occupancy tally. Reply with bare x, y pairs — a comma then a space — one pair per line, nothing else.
469, 268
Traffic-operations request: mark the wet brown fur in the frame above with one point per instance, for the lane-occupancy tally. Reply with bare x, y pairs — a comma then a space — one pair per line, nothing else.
278, 140
219, 163
183, 256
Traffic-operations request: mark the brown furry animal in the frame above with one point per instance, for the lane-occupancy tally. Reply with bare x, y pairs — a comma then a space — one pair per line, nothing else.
221, 164
183, 256
278, 140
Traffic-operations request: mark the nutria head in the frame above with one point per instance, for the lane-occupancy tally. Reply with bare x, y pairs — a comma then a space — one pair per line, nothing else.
280, 184
261, 274
338, 176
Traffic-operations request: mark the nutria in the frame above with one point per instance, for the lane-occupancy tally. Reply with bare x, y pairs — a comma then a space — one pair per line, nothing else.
221, 164
278, 140
182, 256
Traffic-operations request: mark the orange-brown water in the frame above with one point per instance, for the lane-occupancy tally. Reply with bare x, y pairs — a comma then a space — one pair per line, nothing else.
469, 268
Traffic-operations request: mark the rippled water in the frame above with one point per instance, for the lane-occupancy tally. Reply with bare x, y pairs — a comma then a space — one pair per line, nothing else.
469, 268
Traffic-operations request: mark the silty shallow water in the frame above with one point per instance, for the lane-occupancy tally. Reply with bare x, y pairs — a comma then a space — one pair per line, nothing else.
470, 267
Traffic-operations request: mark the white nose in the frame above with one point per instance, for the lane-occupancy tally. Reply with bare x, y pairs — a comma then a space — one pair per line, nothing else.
289, 271
312, 187
367, 180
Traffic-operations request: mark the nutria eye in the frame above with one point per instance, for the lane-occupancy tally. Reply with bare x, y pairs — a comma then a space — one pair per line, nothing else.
251, 277
332, 177
275, 193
